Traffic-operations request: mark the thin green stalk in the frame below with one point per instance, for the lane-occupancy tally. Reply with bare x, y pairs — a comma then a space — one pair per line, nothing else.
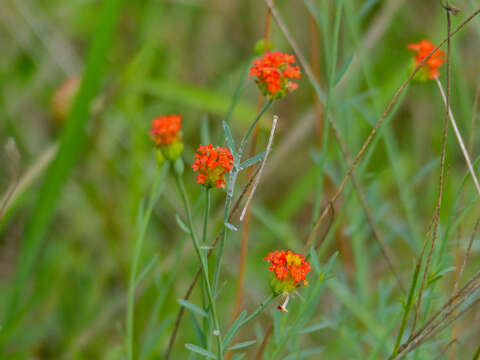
204, 285
408, 307
229, 338
250, 129
223, 236
203, 262
207, 214
259, 310
136, 258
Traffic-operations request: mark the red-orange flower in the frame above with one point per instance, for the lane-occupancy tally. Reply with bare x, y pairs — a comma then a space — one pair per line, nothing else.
430, 69
166, 129
273, 73
212, 163
290, 270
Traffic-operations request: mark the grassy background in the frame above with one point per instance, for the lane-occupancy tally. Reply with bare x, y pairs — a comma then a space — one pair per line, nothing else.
67, 239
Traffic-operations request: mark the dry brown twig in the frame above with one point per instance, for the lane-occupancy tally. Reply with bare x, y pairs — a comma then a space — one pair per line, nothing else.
443, 317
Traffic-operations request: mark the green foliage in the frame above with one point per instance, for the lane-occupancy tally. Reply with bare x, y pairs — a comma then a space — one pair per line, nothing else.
81, 224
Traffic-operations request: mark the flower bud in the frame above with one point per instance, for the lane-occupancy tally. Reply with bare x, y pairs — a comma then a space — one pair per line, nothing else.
167, 136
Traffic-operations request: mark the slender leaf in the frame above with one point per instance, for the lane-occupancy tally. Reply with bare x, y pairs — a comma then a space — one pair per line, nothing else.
229, 138
233, 329
192, 307
343, 70
242, 345
316, 327
200, 351
205, 135
182, 225
252, 161
198, 331
304, 353
146, 270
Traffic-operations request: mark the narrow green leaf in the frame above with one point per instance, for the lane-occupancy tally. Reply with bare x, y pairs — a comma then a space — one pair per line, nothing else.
201, 351
239, 356
146, 270
343, 69
205, 135
198, 331
304, 353
229, 138
366, 7
315, 327
182, 225
192, 307
314, 260
242, 345
253, 160
233, 329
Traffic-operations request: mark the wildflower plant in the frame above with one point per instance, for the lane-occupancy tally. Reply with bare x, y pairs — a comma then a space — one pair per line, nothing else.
273, 73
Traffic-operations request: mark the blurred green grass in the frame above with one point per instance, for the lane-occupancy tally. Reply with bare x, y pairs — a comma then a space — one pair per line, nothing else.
186, 56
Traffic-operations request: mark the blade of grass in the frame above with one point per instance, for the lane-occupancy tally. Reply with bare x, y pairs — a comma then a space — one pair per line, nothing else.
72, 138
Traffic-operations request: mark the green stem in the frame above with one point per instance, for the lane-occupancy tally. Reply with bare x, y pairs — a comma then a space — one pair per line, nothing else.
223, 235
136, 258
207, 214
259, 310
407, 309
203, 262
243, 143
204, 285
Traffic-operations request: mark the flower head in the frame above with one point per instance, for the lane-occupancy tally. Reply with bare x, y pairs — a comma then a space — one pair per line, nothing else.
273, 73
166, 129
167, 136
429, 70
212, 163
289, 272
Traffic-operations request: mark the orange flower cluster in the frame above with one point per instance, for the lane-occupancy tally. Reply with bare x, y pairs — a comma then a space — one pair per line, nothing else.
273, 73
166, 129
290, 270
212, 163
430, 69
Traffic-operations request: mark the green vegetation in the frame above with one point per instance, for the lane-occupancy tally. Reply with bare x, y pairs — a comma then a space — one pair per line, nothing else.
96, 251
